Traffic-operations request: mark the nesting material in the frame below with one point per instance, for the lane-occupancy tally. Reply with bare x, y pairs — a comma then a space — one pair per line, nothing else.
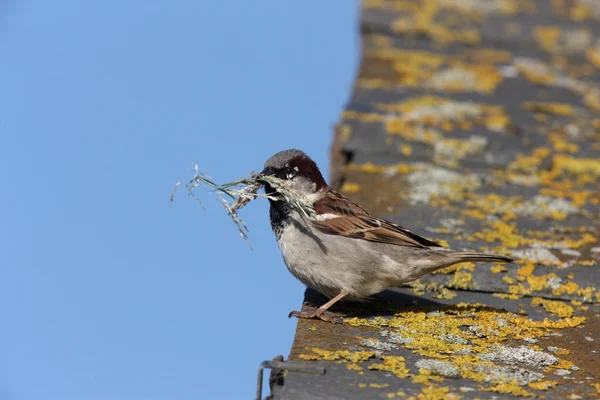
236, 194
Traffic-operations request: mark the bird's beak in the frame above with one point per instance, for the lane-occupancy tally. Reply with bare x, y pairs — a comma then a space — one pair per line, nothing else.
267, 171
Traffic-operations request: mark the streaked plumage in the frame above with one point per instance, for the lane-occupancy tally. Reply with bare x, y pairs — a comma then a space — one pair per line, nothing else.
346, 252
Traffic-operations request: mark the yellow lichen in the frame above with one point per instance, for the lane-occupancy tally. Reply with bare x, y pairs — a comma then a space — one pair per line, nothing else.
349, 187
371, 168
436, 393
464, 266
422, 22
593, 55
526, 270
497, 268
507, 296
378, 385
417, 117
338, 355
561, 109
567, 287
461, 280
508, 236
444, 293
546, 37
425, 377
442, 335
394, 364
406, 150
354, 367
509, 388
582, 170
556, 307
560, 143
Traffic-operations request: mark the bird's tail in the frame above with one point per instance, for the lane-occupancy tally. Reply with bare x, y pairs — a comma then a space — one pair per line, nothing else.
470, 256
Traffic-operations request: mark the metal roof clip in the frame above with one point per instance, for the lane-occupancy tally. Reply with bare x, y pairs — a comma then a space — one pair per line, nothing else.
278, 365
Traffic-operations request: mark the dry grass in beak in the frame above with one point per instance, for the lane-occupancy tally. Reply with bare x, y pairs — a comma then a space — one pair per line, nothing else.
241, 192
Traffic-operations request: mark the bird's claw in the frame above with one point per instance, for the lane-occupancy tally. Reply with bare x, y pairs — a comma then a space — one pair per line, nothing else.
315, 314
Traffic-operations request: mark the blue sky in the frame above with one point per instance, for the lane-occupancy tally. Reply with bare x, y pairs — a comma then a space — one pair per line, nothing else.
107, 291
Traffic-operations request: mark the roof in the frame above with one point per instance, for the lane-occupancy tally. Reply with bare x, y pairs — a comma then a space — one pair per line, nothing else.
476, 124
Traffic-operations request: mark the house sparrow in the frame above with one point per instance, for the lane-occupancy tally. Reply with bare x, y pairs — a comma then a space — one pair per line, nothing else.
344, 252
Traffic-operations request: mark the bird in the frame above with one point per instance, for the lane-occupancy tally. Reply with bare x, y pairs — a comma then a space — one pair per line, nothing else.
342, 251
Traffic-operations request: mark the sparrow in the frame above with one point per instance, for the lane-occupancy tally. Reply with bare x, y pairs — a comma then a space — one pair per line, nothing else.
344, 252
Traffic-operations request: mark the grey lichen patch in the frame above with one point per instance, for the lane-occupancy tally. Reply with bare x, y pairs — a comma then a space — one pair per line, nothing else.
544, 206
432, 181
593, 6
438, 367
571, 253
520, 355
454, 339
567, 42
396, 338
562, 372
452, 225
448, 152
450, 110
547, 74
454, 77
497, 374
478, 330
554, 282
536, 254
377, 345
481, 6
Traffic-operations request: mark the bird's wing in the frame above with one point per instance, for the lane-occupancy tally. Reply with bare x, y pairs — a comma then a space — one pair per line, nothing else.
340, 216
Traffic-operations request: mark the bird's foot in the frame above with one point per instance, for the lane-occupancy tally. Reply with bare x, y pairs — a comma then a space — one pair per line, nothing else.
316, 314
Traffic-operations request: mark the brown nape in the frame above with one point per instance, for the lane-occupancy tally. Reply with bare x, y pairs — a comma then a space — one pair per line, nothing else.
307, 167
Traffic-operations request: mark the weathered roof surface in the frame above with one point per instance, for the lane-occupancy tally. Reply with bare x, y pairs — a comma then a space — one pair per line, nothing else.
475, 123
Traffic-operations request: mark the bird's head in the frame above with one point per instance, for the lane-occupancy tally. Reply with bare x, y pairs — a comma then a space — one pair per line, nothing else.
298, 171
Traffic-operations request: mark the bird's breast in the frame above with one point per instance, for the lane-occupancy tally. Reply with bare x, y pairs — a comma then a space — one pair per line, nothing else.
327, 263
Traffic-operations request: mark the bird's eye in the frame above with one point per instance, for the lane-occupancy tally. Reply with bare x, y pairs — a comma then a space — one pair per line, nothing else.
290, 173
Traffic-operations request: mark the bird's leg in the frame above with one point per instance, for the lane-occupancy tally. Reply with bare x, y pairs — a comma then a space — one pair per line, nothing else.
319, 313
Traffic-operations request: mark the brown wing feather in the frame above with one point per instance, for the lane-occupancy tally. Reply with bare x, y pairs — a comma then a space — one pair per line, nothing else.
355, 222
